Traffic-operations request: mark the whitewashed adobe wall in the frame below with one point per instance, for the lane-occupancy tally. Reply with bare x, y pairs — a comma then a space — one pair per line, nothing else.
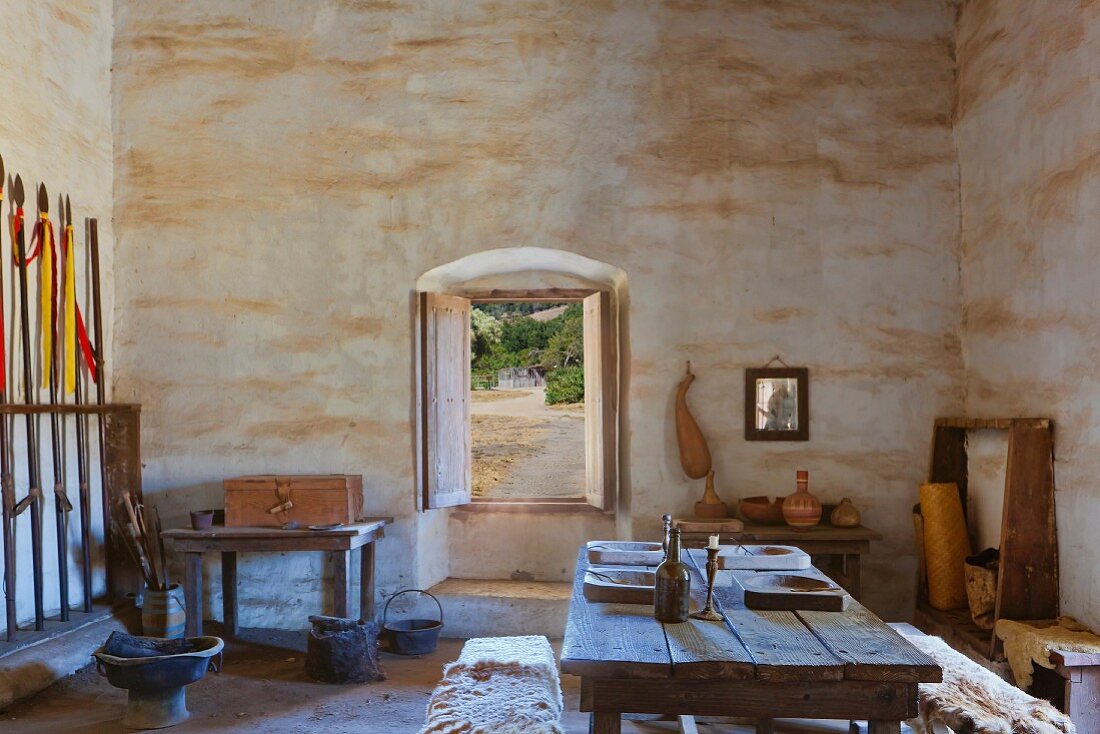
55, 127
772, 177
1028, 134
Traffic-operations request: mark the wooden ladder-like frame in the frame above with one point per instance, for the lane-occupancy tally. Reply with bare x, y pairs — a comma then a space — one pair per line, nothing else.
1027, 583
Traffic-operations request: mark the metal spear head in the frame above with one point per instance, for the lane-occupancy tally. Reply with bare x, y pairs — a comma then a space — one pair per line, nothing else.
17, 191
43, 199
1, 168
68, 210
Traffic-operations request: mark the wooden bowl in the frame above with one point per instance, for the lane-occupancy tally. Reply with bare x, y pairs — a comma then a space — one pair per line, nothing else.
762, 510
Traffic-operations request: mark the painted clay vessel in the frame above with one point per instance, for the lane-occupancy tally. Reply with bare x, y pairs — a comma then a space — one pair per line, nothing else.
845, 515
802, 510
694, 452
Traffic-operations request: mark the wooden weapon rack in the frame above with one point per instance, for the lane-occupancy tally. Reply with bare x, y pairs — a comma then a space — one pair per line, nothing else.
1027, 581
122, 473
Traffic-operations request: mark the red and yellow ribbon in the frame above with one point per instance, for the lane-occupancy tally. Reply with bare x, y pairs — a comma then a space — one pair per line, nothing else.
70, 311
47, 269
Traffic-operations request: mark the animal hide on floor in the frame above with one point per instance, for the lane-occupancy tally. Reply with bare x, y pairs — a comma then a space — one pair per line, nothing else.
972, 699
498, 685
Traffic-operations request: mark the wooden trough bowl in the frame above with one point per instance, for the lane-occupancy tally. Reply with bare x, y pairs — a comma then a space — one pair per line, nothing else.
619, 585
791, 592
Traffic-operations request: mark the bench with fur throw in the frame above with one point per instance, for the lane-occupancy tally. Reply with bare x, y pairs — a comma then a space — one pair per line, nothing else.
972, 700
498, 685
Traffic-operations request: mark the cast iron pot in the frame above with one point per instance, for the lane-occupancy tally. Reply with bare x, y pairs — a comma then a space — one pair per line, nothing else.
411, 636
156, 683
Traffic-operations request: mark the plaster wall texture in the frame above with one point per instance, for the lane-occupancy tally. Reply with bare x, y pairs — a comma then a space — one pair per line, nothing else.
772, 177
55, 128
1028, 136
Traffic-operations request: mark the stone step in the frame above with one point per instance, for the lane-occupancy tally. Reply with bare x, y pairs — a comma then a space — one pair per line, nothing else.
490, 608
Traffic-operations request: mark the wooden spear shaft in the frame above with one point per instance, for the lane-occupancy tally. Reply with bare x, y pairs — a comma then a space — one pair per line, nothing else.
7, 486
34, 493
82, 472
100, 399
61, 504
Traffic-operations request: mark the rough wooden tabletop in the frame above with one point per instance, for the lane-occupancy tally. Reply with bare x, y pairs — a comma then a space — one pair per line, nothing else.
625, 641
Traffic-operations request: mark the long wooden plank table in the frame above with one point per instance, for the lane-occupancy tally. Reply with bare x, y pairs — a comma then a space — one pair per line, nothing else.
753, 664
231, 541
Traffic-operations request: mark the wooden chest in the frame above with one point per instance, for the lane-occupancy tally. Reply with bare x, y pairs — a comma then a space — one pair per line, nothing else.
270, 500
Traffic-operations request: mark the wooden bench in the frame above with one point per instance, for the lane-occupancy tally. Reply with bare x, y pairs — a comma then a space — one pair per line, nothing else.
972, 700
503, 685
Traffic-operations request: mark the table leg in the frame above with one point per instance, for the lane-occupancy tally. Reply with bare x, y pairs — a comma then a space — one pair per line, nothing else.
883, 727
229, 593
764, 726
852, 562
341, 583
366, 582
192, 592
687, 724
605, 722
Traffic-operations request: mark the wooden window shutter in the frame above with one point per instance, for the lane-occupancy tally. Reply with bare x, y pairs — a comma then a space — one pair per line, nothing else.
600, 402
443, 408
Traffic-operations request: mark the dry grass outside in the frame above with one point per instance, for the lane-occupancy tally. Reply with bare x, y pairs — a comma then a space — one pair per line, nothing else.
500, 442
491, 396
568, 408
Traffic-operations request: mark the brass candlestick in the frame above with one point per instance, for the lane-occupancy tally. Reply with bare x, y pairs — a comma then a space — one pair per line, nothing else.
708, 612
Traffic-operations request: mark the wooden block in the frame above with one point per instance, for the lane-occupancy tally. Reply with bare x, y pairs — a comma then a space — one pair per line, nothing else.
712, 526
314, 500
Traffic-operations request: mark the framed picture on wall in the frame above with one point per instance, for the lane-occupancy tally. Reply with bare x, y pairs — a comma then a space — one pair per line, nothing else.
777, 404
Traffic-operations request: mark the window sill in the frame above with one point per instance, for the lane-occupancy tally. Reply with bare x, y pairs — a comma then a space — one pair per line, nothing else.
559, 507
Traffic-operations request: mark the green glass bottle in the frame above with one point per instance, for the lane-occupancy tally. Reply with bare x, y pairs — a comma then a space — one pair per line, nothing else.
672, 587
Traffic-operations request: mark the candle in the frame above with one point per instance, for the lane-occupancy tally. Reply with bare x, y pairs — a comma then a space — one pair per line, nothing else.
713, 542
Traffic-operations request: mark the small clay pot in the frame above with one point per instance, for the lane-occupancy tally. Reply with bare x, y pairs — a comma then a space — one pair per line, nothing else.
202, 519
845, 515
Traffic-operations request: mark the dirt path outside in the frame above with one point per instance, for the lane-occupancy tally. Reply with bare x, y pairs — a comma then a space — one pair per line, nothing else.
524, 448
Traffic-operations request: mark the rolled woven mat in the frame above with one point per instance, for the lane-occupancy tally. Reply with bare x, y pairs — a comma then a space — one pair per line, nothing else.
946, 545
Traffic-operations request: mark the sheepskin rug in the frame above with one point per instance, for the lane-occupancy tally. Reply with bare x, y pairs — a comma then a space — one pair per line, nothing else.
973, 700
498, 685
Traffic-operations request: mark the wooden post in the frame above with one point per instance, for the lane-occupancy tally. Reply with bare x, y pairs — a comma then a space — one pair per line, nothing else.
883, 727
229, 594
605, 722
341, 583
366, 582
192, 592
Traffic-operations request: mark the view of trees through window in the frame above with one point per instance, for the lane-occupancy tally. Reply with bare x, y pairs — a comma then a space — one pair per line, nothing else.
527, 407
546, 339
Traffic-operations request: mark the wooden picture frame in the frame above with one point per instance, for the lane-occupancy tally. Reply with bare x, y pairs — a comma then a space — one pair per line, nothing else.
771, 403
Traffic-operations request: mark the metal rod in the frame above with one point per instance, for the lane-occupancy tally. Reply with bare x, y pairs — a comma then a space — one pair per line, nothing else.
100, 399
7, 486
34, 493
85, 497
61, 504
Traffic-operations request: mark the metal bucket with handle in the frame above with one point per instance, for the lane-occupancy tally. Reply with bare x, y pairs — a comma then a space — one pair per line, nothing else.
411, 636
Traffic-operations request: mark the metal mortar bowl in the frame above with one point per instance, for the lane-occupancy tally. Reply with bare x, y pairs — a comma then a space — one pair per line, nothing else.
155, 682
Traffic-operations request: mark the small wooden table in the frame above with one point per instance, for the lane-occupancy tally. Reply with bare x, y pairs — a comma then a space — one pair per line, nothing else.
761, 665
231, 541
836, 551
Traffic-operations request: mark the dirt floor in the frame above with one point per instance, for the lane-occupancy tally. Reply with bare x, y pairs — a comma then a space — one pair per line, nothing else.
525, 449
263, 688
